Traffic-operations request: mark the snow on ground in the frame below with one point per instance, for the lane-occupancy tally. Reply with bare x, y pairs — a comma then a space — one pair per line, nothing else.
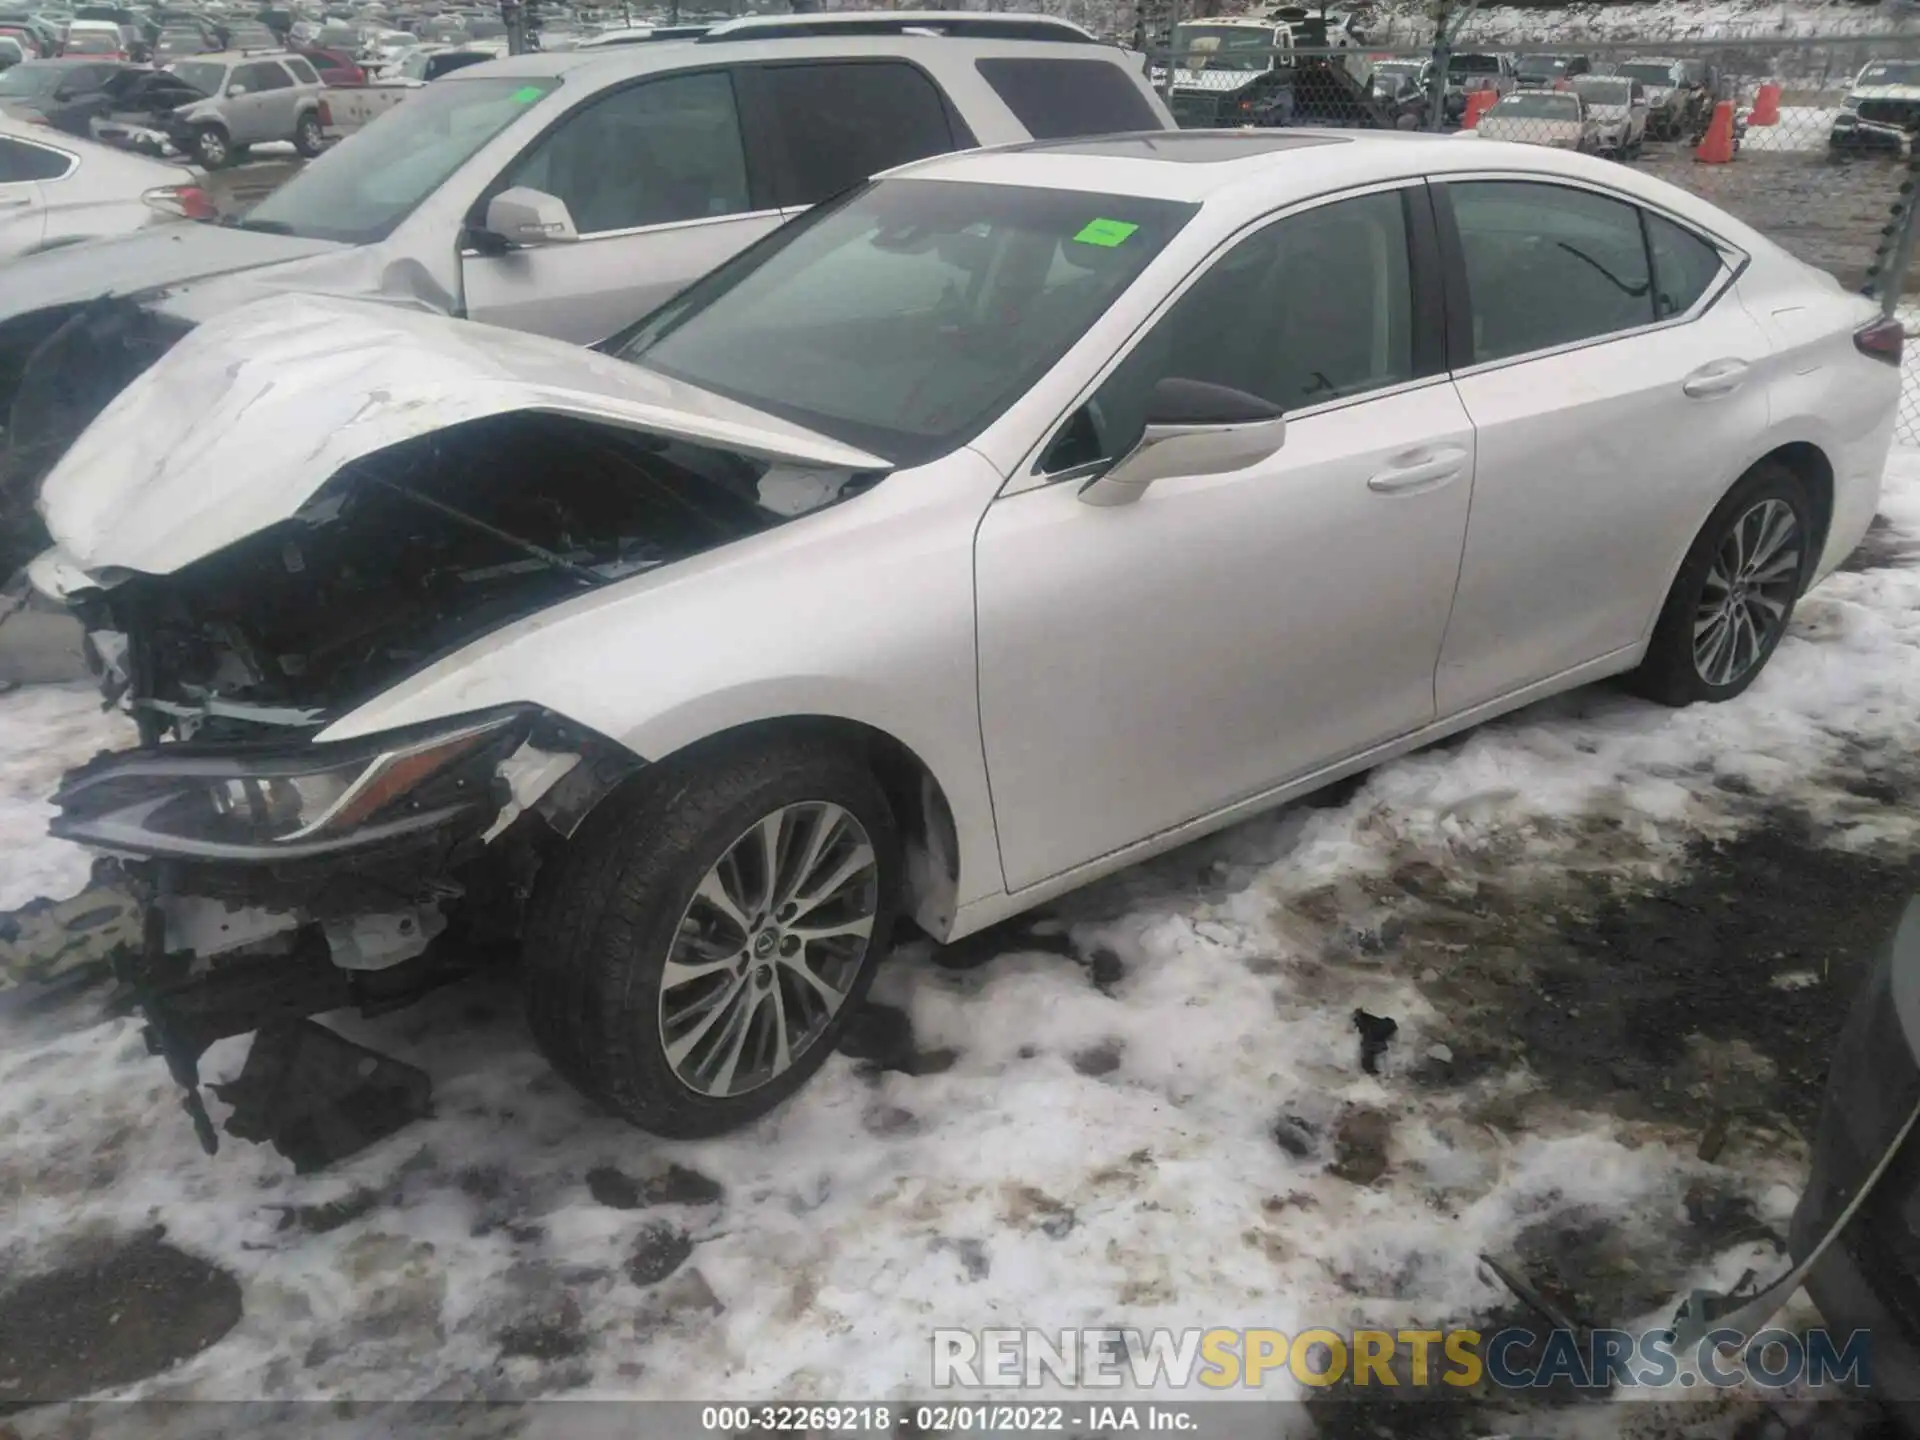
1661, 20
1094, 1154
44, 730
1802, 129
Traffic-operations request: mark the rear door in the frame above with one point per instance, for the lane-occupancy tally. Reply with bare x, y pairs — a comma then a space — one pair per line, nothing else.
23, 214
657, 178
1615, 386
265, 112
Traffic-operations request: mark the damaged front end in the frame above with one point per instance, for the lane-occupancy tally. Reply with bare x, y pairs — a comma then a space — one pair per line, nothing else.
59, 368
300, 510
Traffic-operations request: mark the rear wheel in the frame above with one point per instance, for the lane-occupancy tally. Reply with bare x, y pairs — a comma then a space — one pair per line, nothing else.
212, 147
308, 138
695, 953
1735, 593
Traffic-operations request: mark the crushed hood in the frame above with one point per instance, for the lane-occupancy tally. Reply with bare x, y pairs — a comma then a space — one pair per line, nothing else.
145, 259
254, 411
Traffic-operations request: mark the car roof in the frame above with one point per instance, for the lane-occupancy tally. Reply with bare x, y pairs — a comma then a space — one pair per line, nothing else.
1248, 173
611, 62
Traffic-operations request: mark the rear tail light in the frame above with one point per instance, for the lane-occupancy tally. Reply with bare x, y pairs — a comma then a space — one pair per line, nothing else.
326, 113
1882, 340
189, 202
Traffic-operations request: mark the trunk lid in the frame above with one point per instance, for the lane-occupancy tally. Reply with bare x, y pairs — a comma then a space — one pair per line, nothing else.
247, 418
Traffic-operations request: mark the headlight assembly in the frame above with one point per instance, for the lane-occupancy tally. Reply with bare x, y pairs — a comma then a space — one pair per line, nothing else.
254, 804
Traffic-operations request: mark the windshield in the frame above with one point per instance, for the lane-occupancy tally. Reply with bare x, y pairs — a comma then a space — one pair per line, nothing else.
1473, 65
92, 42
1223, 47
181, 42
1537, 107
1647, 73
1891, 72
1604, 91
904, 319
202, 76
1550, 66
30, 79
360, 189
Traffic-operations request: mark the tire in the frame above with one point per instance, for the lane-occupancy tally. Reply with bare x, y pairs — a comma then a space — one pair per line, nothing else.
1671, 673
308, 138
629, 893
212, 148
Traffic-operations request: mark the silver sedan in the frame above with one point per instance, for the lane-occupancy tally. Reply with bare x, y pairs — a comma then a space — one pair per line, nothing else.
1020, 515
55, 189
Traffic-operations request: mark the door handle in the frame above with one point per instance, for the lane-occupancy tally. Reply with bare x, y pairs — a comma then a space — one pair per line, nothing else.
1421, 470
1722, 377
15, 202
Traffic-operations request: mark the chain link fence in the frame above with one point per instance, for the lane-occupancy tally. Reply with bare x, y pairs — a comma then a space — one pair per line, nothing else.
1808, 139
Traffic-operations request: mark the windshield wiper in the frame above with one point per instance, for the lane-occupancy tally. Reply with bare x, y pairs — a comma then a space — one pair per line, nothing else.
264, 227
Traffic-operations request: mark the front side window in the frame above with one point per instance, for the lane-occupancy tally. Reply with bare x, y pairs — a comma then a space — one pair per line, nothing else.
356, 192
1055, 99
303, 72
841, 122
1548, 265
906, 318
1314, 308
655, 153
262, 77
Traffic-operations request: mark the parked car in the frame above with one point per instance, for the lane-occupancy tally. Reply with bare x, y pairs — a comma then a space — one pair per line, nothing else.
1546, 72
1882, 109
1672, 102
1477, 71
569, 193
429, 62
1864, 1279
56, 190
1558, 119
1231, 71
251, 100
183, 44
76, 96
859, 505
97, 40
1404, 100
334, 67
1618, 108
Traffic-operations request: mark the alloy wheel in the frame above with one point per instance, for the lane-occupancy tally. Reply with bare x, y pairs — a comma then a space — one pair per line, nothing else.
768, 948
1744, 603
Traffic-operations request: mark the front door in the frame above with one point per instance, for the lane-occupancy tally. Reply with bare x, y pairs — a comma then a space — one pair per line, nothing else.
656, 178
1144, 665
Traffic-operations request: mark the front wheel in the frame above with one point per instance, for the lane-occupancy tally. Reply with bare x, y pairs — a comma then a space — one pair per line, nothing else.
212, 148
308, 138
1735, 593
693, 956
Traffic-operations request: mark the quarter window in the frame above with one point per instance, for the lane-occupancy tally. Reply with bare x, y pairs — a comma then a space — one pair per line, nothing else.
651, 154
841, 123
20, 162
1548, 265
1684, 266
1316, 307
303, 72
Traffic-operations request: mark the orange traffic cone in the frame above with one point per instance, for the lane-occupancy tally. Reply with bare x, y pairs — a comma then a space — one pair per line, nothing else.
1766, 106
1481, 101
1717, 147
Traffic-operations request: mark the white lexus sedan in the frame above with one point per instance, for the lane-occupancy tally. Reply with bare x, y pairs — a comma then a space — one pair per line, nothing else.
1013, 518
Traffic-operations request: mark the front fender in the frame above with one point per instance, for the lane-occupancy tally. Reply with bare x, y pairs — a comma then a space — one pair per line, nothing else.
862, 612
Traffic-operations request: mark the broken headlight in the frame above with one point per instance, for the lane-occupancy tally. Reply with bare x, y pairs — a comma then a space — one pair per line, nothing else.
256, 804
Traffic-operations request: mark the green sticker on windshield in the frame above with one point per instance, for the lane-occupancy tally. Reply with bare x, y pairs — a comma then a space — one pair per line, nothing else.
526, 95
1105, 232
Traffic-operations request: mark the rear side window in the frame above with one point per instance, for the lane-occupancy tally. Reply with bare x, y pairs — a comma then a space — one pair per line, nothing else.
841, 122
1684, 266
1055, 99
20, 162
303, 72
1548, 265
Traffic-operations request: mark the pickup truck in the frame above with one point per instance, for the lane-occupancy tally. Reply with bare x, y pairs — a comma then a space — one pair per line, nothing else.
357, 105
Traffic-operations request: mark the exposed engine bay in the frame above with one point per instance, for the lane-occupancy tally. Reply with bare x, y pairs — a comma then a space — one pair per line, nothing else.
282, 878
